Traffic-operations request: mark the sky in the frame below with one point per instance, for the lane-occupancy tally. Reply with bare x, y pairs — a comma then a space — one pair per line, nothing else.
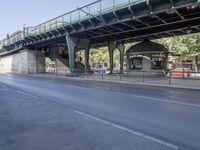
14, 14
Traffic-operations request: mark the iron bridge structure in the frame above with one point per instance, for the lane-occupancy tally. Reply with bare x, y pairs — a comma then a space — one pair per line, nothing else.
108, 22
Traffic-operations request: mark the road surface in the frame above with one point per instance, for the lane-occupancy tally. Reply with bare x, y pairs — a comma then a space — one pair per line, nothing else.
60, 114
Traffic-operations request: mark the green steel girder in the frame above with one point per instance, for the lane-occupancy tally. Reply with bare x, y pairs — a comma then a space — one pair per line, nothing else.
134, 35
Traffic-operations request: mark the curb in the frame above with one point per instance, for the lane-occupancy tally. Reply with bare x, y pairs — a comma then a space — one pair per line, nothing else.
121, 82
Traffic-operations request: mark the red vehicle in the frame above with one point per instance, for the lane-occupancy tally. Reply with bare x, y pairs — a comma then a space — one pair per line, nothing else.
181, 72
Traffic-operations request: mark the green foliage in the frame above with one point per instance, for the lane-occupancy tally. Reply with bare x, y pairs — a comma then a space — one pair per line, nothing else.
183, 46
101, 55
180, 46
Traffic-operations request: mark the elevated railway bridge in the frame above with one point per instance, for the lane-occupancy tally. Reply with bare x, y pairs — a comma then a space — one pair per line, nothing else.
107, 22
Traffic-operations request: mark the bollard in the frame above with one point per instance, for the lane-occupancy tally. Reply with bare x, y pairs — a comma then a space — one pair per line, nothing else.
87, 73
143, 76
83, 72
170, 78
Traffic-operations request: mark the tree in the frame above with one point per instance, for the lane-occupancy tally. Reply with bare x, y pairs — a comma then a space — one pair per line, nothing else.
183, 46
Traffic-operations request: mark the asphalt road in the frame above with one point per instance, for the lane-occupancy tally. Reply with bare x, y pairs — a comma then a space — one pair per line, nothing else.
59, 114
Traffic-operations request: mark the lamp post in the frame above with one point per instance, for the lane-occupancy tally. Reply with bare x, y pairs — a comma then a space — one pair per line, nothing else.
24, 30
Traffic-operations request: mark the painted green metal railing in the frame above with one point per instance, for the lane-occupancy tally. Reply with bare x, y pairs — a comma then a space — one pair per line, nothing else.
80, 14
94, 9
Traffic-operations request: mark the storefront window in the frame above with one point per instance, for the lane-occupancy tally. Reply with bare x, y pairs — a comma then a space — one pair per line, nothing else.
136, 63
157, 61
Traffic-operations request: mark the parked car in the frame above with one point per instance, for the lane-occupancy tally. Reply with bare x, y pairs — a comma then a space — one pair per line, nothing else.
100, 70
181, 72
116, 70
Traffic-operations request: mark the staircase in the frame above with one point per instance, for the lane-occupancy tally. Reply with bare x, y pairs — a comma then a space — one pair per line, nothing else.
62, 65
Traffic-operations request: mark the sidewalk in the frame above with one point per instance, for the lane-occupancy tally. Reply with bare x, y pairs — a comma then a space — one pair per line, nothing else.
188, 84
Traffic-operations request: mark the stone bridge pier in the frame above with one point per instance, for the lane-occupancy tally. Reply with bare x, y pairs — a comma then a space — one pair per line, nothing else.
24, 62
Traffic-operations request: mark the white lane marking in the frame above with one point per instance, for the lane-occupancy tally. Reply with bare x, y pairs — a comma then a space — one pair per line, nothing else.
79, 87
2, 85
144, 98
27, 94
107, 88
143, 135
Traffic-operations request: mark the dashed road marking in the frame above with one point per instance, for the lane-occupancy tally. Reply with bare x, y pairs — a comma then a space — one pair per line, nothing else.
27, 94
133, 132
145, 98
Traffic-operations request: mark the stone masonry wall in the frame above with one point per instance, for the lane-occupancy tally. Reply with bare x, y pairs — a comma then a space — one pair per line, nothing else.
24, 62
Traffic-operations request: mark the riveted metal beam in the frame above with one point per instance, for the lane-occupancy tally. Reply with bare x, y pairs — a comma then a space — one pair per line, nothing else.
132, 27
181, 30
49, 34
53, 33
198, 28
149, 6
107, 31
171, 25
39, 37
30, 39
100, 19
94, 32
157, 17
146, 24
131, 11
82, 26
73, 28
116, 16
170, 33
172, 3
59, 32
178, 13
119, 26
89, 34
44, 36
105, 23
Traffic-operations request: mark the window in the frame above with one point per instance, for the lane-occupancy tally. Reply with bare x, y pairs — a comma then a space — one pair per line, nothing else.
136, 63
157, 61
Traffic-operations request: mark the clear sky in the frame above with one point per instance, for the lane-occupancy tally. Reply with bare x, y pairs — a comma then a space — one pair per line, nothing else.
15, 13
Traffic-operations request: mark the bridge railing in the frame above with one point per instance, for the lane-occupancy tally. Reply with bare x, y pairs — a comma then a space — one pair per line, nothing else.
66, 19
19, 36
78, 15
5, 42
11, 40
1, 44
89, 11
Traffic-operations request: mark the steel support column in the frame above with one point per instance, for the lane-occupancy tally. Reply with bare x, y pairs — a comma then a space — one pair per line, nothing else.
87, 54
54, 52
111, 47
74, 43
71, 51
36, 55
121, 48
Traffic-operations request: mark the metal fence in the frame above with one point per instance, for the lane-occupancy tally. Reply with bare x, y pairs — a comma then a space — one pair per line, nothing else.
191, 79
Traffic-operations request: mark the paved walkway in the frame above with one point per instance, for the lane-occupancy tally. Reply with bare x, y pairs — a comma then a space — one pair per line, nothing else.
187, 83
